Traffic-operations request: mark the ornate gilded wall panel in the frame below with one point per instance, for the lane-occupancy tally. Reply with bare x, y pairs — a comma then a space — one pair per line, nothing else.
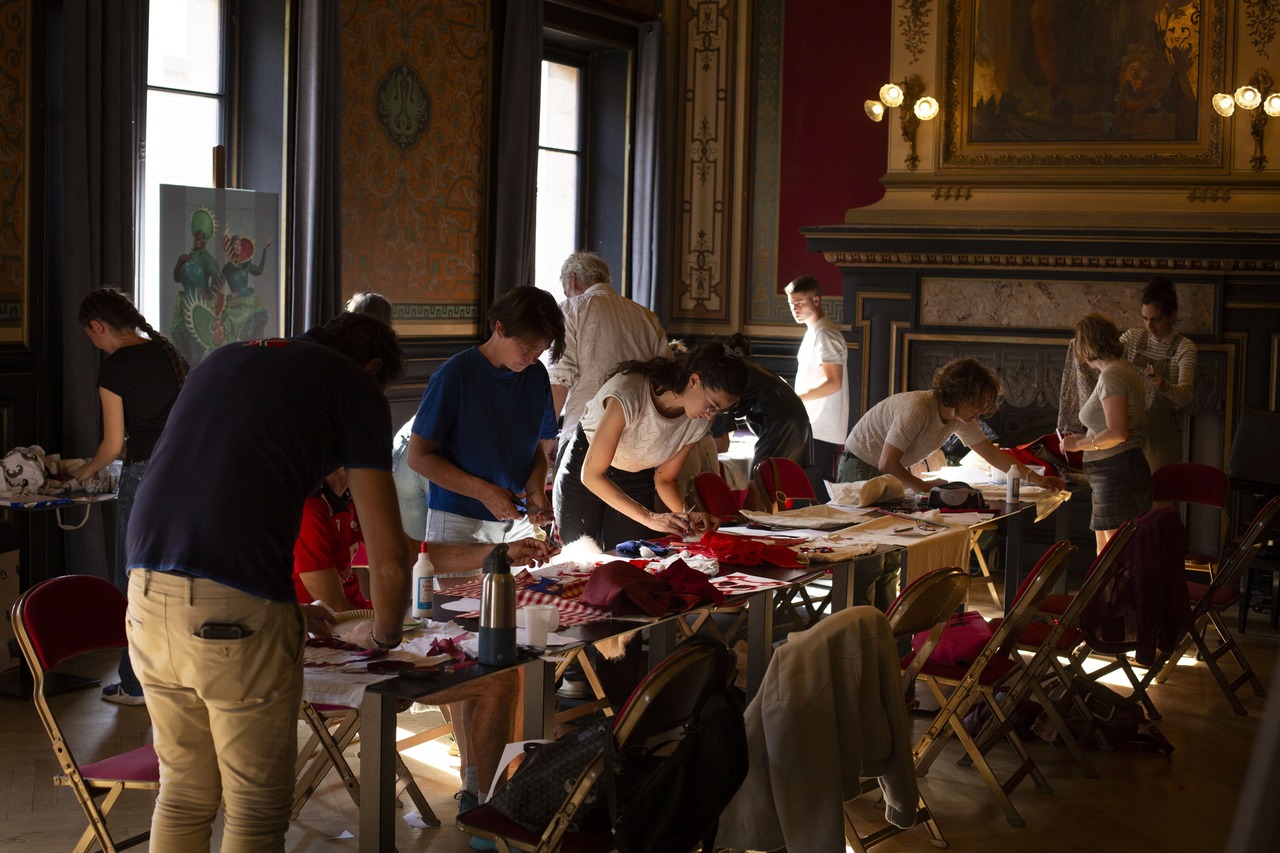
15, 31
705, 181
416, 77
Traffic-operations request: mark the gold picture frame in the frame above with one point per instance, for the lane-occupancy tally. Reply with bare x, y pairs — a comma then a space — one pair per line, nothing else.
1083, 84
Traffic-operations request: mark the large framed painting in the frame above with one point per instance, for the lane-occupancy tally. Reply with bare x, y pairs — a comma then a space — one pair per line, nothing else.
225, 282
1083, 83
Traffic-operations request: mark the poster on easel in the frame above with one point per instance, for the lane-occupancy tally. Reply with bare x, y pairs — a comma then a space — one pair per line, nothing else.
220, 282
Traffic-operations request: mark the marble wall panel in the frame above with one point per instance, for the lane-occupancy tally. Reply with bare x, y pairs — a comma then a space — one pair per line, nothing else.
1048, 304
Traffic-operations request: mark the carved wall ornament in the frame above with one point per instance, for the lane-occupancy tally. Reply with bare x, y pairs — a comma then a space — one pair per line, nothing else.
1263, 17
951, 192
914, 26
403, 106
1209, 194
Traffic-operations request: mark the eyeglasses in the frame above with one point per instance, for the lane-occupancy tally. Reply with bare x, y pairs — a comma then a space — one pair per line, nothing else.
712, 406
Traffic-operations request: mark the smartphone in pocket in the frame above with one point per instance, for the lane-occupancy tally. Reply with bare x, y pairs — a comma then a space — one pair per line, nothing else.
222, 631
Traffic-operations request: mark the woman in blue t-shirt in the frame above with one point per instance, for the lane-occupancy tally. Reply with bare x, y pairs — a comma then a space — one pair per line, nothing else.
137, 384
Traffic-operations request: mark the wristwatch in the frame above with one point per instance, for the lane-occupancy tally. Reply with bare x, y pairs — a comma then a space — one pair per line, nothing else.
373, 638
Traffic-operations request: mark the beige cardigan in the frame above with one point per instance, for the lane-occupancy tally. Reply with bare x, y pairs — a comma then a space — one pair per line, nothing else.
830, 711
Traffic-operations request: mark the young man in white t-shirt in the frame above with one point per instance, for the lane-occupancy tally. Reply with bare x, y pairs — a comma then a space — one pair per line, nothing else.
822, 380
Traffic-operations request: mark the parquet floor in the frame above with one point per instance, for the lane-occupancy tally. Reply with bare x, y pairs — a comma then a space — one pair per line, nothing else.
1142, 801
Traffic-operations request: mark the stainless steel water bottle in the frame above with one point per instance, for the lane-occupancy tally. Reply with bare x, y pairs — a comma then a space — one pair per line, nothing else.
498, 610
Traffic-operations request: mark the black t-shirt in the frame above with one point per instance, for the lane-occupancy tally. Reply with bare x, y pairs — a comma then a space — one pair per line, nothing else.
143, 377
772, 410
256, 428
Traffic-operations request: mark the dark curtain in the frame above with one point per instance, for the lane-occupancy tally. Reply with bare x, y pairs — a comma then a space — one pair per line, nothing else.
102, 94
315, 258
515, 173
648, 225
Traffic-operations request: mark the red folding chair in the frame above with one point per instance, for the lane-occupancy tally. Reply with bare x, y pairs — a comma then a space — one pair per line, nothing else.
783, 484
713, 496
57, 620
1201, 485
1208, 603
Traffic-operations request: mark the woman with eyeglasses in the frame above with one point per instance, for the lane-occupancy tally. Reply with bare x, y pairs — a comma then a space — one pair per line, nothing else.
633, 440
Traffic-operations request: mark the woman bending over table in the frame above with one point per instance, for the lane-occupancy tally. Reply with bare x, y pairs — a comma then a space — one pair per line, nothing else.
137, 384
1113, 416
633, 440
901, 430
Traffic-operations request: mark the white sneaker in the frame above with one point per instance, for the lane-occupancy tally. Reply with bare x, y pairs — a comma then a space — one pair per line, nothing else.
115, 694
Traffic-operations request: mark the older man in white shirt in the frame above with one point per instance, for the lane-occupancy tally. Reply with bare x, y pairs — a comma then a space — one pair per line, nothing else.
601, 329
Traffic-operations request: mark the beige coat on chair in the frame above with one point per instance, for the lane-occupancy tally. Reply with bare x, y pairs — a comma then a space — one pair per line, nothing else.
830, 711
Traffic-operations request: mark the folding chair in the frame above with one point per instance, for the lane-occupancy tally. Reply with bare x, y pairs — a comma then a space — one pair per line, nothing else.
1208, 604
925, 605
1202, 485
57, 620
1049, 644
712, 495
996, 667
1143, 611
661, 703
783, 484
333, 729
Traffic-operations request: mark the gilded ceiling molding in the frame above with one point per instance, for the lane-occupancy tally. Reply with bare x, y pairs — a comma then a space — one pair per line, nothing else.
929, 259
914, 26
951, 192
1263, 17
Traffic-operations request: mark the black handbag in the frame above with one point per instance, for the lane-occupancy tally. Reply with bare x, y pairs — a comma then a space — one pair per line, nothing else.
546, 775
955, 496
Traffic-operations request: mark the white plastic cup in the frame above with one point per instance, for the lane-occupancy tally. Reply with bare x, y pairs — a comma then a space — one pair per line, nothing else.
539, 621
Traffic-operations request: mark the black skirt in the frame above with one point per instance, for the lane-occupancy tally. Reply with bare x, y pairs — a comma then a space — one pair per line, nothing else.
1121, 487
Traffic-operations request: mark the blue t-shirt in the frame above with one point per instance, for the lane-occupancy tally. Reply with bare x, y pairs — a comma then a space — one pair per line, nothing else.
487, 421
251, 436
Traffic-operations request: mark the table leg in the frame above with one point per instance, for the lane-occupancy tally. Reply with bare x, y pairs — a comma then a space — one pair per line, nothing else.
662, 641
759, 638
842, 584
377, 772
1014, 526
539, 701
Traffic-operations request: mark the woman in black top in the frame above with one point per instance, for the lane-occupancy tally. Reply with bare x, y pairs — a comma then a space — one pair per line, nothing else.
137, 384
771, 409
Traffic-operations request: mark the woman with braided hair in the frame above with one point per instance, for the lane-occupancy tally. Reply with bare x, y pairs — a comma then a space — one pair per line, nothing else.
137, 384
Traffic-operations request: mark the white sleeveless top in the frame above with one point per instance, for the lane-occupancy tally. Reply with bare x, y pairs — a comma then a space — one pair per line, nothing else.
649, 438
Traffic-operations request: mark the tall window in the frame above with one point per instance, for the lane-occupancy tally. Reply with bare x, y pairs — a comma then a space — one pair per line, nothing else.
186, 103
559, 172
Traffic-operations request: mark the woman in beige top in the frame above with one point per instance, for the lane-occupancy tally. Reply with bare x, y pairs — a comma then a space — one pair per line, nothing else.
633, 440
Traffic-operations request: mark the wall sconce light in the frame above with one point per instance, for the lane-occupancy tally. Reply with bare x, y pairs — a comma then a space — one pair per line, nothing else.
1249, 97
915, 108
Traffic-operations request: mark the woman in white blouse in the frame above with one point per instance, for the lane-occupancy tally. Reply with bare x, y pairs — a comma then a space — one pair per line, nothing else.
633, 440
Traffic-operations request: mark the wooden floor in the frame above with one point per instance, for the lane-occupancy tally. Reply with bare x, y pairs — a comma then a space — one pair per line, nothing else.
1177, 803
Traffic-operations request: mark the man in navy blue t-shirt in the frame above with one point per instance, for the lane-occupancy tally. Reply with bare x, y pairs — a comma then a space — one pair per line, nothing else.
214, 628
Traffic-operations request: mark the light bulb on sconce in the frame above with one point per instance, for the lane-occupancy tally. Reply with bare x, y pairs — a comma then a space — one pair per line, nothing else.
1224, 104
926, 109
892, 94
1271, 104
1248, 98
916, 107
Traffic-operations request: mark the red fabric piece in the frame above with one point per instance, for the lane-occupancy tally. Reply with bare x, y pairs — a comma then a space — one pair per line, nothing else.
691, 585
1046, 451
623, 589
738, 550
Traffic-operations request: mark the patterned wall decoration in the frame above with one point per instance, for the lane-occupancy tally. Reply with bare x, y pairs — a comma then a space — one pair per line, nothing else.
705, 135
764, 305
416, 77
1263, 16
14, 83
913, 26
